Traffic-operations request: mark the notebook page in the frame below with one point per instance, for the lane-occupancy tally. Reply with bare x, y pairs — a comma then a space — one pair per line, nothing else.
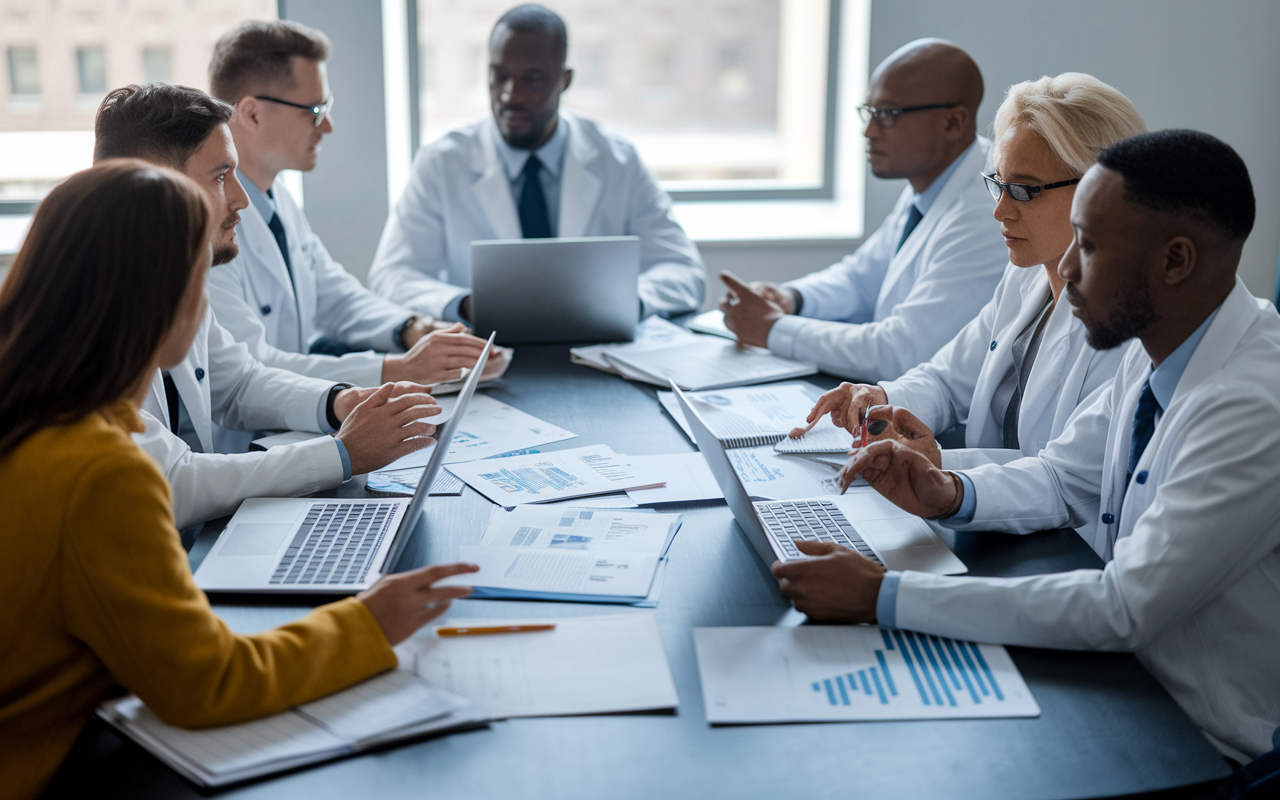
393, 700
824, 438
220, 751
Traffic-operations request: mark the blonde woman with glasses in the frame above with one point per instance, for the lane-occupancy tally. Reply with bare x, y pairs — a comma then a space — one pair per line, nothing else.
1017, 372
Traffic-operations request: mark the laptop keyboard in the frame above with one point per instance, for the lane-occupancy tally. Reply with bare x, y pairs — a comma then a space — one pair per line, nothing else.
812, 520
335, 543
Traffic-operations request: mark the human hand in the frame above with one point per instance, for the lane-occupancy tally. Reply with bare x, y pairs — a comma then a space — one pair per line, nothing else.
847, 404
421, 326
406, 601
784, 298
900, 425
835, 584
387, 425
749, 315
438, 356
906, 478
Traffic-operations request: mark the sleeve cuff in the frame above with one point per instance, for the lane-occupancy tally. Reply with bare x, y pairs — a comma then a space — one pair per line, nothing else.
887, 600
322, 414
968, 505
453, 311
346, 460
782, 336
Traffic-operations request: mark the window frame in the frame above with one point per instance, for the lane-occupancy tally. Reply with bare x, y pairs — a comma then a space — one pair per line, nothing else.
824, 191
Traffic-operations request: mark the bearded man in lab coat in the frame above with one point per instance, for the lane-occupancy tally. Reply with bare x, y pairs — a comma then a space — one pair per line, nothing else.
1176, 463
533, 171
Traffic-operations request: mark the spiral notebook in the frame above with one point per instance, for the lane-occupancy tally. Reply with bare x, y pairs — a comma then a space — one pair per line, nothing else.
393, 706
754, 416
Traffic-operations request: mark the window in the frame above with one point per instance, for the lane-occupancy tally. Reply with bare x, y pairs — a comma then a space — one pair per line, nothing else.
91, 69
723, 98
62, 56
157, 65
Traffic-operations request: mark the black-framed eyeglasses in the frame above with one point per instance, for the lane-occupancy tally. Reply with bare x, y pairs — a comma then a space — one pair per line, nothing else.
321, 111
887, 117
1021, 191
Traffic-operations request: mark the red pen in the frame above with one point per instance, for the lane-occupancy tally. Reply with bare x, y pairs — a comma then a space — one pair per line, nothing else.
864, 430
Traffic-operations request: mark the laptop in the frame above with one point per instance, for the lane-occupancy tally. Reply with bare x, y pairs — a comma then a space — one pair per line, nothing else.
556, 290
861, 520
321, 545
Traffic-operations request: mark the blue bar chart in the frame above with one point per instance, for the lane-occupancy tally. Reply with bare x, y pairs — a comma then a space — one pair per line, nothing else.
854, 672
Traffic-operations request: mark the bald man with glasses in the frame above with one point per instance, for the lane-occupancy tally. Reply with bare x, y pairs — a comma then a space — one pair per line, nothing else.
934, 261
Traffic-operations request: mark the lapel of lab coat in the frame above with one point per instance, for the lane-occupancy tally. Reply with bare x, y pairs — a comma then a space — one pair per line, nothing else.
194, 393
492, 190
997, 361
1237, 314
579, 186
1043, 389
901, 266
269, 278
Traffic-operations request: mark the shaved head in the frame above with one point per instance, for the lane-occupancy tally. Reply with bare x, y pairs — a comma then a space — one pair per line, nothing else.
939, 87
935, 67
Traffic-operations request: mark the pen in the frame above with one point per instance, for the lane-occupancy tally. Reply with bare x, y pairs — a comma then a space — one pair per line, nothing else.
864, 430
480, 630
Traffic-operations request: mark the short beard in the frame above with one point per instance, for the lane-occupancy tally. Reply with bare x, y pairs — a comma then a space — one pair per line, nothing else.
1134, 314
224, 255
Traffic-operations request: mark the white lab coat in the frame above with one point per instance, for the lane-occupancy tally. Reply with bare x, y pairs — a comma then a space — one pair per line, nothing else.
1192, 579
254, 300
458, 193
238, 392
956, 386
877, 313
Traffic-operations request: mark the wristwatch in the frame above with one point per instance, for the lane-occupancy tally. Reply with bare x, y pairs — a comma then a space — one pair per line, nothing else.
400, 332
329, 415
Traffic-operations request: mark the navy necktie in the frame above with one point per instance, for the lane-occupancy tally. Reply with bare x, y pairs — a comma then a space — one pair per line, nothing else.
1144, 424
535, 221
282, 241
913, 219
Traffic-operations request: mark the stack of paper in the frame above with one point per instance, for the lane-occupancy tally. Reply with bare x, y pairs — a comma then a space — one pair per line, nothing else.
750, 416
574, 554
688, 479
831, 673
651, 334
587, 665
558, 475
392, 706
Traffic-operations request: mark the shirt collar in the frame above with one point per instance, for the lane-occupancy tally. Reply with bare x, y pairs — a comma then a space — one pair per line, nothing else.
1164, 378
925, 200
550, 154
262, 201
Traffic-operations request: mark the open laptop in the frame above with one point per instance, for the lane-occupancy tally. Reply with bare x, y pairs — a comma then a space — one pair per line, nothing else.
324, 546
861, 520
556, 290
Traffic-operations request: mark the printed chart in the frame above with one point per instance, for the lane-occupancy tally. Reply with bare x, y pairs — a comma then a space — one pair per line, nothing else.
833, 673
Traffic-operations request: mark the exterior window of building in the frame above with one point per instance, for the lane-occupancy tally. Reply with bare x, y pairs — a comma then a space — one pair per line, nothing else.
62, 56
721, 97
91, 71
24, 72
157, 65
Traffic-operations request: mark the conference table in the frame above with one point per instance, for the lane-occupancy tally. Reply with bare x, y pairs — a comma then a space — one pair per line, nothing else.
1106, 726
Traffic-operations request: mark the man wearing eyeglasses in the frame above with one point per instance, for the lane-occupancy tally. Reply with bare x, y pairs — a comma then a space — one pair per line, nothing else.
934, 261
283, 296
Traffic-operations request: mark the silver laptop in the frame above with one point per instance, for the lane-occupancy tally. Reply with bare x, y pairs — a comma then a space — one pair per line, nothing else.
556, 290
324, 546
861, 520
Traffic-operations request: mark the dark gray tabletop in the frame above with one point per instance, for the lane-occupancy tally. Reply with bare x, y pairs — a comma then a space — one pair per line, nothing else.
1106, 727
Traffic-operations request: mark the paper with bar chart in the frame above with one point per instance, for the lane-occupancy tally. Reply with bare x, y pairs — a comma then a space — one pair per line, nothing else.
853, 672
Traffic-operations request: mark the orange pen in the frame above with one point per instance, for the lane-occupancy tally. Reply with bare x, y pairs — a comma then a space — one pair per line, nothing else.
480, 630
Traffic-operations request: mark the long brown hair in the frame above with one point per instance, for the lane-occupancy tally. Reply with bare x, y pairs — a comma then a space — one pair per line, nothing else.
93, 291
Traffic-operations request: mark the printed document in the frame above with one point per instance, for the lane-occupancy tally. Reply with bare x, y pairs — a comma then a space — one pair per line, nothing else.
770, 475
688, 479
587, 665
708, 362
652, 333
820, 673
748, 416
489, 428
557, 475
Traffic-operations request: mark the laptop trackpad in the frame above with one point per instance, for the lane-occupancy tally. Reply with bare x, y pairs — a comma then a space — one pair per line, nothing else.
253, 539
896, 534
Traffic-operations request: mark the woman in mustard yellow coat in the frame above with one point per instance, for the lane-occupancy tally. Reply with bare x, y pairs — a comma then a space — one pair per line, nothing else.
95, 589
